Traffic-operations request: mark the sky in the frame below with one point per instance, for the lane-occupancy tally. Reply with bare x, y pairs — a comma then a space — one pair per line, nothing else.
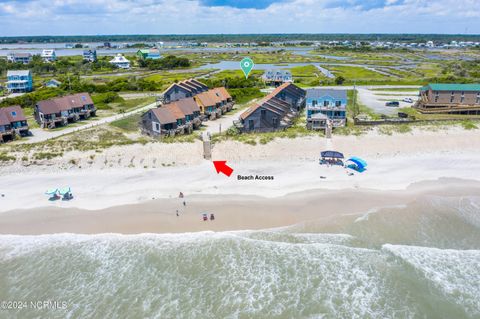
97, 17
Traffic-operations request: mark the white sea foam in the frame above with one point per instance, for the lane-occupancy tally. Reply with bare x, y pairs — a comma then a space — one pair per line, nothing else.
455, 273
201, 275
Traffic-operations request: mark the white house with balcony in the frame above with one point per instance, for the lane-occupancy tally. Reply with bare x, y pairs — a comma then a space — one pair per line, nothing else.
324, 106
49, 55
120, 61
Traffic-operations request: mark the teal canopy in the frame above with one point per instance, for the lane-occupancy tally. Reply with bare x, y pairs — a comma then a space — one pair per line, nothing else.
361, 164
64, 190
51, 191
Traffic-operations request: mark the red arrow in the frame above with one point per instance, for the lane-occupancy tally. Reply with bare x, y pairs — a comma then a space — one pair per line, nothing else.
222, 167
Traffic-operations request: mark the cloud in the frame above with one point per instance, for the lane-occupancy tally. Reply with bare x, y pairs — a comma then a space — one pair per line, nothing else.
39, 17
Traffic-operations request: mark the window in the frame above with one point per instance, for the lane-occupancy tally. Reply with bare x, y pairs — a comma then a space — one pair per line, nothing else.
462, 99
263, 114
436, 98
314, 102
478, 98
325, 103
452, 98
157, 126
338, 103
150, 115
14, 113
251, 125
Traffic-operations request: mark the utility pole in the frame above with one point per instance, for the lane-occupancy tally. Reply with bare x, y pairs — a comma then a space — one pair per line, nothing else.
355, 110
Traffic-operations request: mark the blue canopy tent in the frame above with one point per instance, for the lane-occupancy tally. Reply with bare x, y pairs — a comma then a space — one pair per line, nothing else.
358, 164
331, 158
332, 154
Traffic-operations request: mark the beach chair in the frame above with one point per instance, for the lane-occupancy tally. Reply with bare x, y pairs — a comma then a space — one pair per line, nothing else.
53, 193
66, 193
205, 217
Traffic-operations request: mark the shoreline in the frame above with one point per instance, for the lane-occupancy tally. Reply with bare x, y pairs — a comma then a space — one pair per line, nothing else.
232, 212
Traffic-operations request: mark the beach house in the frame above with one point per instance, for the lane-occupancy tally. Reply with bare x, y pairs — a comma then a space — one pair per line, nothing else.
90, 55
12, 122
277, 77
19, 57
225, 97
49, 55
63, 110
191, 111
210, 104
183, 89
179, 117
52, 83
324, 106
120, 62
449, 98
19, 81
291, 94
145, 54
274, 112
160, 121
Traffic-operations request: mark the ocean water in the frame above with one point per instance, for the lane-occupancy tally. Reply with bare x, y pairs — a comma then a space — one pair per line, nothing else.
417, 261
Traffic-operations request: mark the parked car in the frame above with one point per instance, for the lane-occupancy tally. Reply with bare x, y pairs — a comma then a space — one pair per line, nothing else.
393, 104
408, 100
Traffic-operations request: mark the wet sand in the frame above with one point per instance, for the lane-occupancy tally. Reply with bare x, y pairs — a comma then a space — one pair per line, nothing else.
231, 212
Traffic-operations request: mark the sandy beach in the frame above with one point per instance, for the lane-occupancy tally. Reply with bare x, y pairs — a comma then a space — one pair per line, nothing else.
136, 199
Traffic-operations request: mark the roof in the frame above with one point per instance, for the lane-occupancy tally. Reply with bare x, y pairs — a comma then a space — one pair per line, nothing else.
187, 105
332, 154
54, 81
18, 72
292, 88
198, 83
206, 99
3, 118
20, 54
319, 93
64, 103
119, 59
222, 92
277, 72
174, 110
163, 115
453, 87
48, 52
9, 111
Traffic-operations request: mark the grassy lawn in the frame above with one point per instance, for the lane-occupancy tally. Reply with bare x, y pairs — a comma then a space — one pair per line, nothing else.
308, 75
128, 124
298, 129
356, 73
123, 106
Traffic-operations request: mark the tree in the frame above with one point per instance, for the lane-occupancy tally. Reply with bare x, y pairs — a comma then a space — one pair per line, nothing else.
339, 80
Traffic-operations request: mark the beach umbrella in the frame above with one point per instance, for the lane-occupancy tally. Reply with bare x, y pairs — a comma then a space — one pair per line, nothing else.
360, 163
52, 191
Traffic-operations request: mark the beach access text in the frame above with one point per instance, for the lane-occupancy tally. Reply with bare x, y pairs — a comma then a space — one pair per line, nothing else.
255, 177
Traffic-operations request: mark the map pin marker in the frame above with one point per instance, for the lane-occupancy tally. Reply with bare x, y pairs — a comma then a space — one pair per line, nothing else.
247, 65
